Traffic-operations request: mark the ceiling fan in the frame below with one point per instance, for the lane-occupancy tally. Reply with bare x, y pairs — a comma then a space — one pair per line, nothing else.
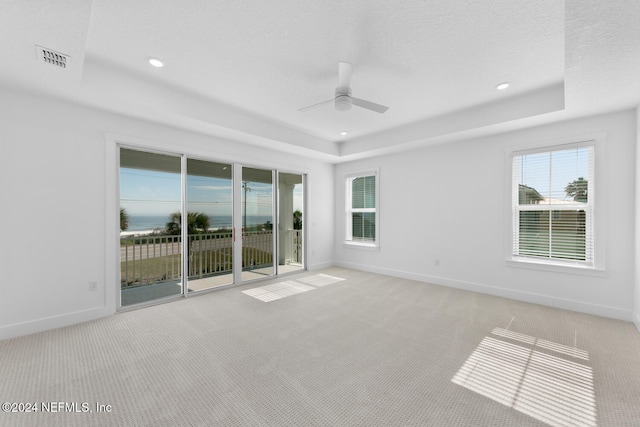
343, 99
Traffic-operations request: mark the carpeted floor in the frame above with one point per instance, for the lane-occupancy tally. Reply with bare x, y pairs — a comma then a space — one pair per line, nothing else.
313, 350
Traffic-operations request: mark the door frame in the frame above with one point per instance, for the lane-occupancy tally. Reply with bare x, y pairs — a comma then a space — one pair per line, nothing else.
113, 143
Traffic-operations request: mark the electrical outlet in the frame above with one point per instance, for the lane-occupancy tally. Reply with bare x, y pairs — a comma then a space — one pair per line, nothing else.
93, 286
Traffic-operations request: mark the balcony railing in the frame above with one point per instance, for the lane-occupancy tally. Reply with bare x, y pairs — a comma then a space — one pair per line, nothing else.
295, 253
149, 259
157, 258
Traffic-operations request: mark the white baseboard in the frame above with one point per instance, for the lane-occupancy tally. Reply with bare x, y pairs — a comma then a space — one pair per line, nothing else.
53, 322
320, 266
43, 324
596, 309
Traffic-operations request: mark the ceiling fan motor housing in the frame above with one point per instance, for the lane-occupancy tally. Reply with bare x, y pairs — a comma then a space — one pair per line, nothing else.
343, 100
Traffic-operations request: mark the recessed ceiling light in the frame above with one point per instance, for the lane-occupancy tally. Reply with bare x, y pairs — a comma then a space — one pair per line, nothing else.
344, 133
502, 86
156, 62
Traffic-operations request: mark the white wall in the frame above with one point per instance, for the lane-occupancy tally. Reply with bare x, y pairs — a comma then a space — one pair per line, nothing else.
447, 202
55, 205
636, 317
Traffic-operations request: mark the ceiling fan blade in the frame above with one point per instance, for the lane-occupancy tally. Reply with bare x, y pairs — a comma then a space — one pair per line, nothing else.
319, 104
344, 76
369, 105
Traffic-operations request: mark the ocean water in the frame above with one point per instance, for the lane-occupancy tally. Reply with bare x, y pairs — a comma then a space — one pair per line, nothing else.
151, 222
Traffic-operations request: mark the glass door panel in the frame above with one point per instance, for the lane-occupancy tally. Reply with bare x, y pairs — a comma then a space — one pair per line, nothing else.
257, 223
290, 220
150, 241
210, 224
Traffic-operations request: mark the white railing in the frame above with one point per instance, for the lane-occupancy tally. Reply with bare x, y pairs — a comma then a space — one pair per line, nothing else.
149, 259
157, 258
257, 249
296, 246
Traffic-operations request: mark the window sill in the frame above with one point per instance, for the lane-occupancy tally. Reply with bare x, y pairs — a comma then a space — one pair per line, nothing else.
555, 267
361, 245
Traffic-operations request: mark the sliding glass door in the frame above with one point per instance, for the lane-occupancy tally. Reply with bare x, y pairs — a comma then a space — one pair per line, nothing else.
210, 224
189, 225
150, 244
257, 223
290, 221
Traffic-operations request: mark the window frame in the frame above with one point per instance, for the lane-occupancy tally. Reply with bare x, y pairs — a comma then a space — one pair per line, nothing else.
349, 210
596, 266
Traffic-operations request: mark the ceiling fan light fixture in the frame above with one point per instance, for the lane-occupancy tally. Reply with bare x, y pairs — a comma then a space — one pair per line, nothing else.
344, 133
342, 100
343, 103
502, 86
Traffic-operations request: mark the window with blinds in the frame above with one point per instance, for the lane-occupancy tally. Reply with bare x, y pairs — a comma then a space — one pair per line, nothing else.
552, 201
361, 207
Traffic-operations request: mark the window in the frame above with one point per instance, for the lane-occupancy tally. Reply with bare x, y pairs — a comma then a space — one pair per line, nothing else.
553, 205
361, 209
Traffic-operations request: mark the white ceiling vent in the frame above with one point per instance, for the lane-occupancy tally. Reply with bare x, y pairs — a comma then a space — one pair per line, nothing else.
49, 56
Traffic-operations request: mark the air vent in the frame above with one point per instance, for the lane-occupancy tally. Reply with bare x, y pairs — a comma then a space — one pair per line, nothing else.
49, 56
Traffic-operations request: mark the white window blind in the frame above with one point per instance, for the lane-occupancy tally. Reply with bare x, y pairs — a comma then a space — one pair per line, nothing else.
553, 205
361, 209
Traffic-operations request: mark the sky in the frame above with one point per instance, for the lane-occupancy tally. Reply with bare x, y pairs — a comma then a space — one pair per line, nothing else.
549, 173
145, 192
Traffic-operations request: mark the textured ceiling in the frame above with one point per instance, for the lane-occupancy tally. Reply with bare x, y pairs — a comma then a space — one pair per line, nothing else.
241, 70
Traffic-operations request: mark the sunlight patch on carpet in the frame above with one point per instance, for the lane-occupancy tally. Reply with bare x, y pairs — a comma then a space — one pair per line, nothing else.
320, 280
281, 290
545, 380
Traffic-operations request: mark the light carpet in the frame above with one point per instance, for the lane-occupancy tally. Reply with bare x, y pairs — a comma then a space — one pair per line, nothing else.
369, 350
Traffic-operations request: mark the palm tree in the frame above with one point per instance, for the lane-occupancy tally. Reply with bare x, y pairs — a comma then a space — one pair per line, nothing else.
297, 220
196, 223
124, 219
578, 189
